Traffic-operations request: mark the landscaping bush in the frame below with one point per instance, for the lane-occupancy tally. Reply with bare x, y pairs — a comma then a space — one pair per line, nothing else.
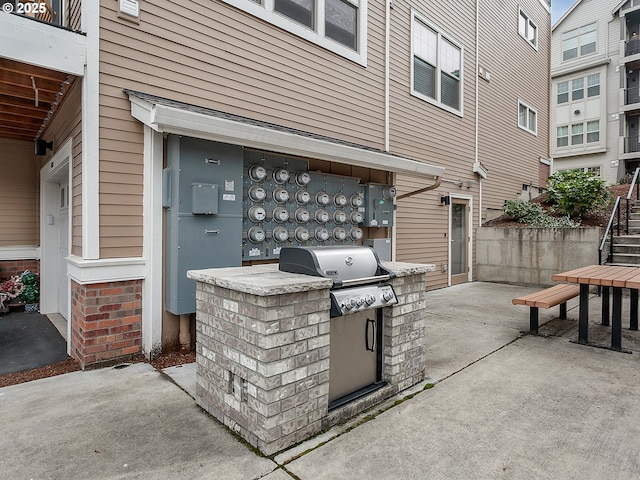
574, 192
534, 215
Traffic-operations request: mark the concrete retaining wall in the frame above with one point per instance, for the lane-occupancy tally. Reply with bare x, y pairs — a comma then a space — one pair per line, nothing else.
530, 256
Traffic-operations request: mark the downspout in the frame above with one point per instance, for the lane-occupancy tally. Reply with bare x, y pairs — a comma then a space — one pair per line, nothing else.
387, 30
477, 126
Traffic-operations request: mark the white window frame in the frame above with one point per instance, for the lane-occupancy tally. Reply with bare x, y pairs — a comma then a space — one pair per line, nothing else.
567, 92
526, 127
441, 35
565, 137
579, 33
265, 10
528, 24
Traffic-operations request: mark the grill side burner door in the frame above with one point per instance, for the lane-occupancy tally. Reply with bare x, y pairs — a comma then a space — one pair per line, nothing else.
354, 360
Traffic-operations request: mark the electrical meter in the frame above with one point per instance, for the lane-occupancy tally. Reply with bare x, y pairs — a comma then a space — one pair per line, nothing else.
357, 200
280, 234
302, 215
302, 234
356, 234
257, 173
356, 217
280, 175
257, 214
339, 216
339, 233
303, 197
303, 179
256, 234
280, 195
322, 216
280, 215
323, 198
340, 200
321, 234
257, 193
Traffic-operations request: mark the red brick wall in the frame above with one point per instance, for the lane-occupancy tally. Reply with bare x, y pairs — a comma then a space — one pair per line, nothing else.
106, 322
9, 268
543, 173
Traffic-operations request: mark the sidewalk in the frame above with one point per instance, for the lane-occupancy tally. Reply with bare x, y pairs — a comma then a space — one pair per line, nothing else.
504, 405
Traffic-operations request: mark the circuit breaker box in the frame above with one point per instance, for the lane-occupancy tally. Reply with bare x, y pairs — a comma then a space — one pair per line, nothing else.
379, 205
203, 193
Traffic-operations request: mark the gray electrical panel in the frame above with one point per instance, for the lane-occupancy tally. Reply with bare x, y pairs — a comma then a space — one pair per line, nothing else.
203, 191
379, 205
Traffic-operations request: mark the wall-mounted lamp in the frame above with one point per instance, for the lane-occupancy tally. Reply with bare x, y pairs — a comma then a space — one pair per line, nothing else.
42, 146
576, 112
445, 200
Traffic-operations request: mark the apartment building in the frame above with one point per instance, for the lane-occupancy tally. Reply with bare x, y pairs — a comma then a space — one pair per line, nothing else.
595, 101
182, 135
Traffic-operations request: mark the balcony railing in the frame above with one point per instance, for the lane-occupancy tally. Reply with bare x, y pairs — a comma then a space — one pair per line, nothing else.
62, 13
632, 144
632, 47
631, 96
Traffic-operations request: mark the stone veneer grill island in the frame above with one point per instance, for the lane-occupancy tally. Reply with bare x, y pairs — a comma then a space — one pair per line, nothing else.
263, 350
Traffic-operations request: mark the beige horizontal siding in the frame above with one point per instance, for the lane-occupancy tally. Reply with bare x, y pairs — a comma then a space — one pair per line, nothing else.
19, 189
518, 72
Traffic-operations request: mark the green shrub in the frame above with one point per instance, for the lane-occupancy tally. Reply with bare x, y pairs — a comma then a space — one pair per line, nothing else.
574, 192
533, 214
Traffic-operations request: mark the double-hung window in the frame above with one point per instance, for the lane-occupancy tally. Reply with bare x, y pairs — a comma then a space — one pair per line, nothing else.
337, 25
577, 134
562, 136
527, 29
579, 42
593, 131
563, 92
527, 118
577, 89
593, 85
437, 66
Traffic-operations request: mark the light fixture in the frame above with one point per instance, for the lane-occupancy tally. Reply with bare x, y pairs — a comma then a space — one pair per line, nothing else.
445, 200
42, 146
576, 112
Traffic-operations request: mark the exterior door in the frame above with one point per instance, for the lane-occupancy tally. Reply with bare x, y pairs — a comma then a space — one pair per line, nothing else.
459, 241
63, 249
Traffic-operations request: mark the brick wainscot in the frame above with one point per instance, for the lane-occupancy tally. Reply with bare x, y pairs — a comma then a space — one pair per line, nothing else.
106, 322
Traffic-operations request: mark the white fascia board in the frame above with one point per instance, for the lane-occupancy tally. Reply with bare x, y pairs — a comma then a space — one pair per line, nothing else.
87, 272
166, 119
578, 67
27, 41
20, 252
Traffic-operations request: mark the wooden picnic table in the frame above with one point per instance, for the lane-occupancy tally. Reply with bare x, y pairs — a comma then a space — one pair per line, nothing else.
605, 276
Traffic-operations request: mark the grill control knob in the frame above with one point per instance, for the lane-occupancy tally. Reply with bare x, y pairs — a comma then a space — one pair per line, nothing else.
356, 217
280, 195
357, 200
280, 175
350, 303
280, 215
323, 198
387, 296
356, 233
280, 234
257, 193
360, 301
256, 234
339, 233
302, 234
303, 197
302, 215
322, 216
370, 299
339, 216
303, 178
257, 173
257, 214
340, 200
321, 234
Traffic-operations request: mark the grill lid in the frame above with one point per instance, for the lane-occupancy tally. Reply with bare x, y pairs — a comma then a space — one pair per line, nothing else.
342, 264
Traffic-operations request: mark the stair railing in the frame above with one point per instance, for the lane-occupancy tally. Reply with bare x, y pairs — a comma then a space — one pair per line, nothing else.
630, 193
606, 232
616, 210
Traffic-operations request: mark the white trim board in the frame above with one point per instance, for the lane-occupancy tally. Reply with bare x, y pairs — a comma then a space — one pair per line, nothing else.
20, 252
87, 272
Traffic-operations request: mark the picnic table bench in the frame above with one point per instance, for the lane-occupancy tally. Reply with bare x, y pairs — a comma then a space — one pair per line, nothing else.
547, 298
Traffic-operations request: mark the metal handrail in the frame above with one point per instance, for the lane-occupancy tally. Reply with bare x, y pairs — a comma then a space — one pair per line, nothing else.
615, 210
606, 232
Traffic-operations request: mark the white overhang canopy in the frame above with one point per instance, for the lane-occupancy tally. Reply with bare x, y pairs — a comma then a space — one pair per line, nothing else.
168, 116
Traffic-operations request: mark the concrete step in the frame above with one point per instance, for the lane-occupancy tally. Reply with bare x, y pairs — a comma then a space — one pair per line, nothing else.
626, 249
626, 240
629, 259
634, 215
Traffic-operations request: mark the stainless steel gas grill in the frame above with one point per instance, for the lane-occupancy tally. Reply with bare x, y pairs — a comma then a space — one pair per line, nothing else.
358, 295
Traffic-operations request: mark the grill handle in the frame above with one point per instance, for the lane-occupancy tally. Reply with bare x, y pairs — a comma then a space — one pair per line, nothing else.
361, 281
371, 348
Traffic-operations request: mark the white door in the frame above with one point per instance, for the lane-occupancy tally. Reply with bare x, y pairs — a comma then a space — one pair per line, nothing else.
63, 249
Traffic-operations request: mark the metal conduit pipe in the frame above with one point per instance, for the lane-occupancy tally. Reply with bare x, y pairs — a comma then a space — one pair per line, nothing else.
426, 189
